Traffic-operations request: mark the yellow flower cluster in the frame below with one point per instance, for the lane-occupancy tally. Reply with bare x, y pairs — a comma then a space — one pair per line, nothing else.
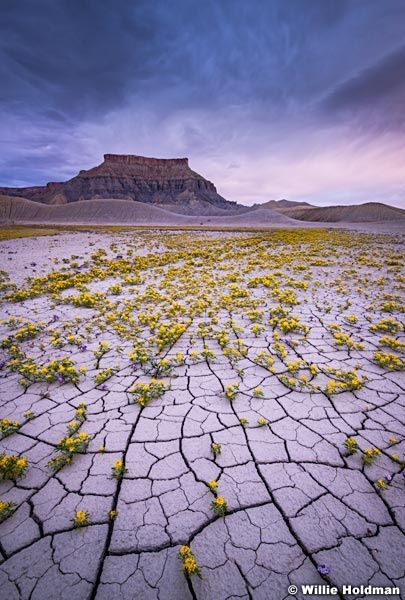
298, 384
388, 325
7, 427
6, 510
264, 359
344, 339
72, 443
258, 392
369, 455
139, 353
103, 348
280, 350
105, 374
115, 289
28, 332
231, 390
392, 343
62, 370
345, 381
289, 325
207, 354
81, 412
150, 319
390, 361
351, 445
118, 469
351, 319
89, 300
215, 448
189, 565
80, 519
257, 329
293, 366
255, 315
313, 369
288, 297
168, 334
144, 392
297, 283
219, 506
12, 466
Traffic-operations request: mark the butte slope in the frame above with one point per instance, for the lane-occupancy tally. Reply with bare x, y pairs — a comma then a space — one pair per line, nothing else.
169, 183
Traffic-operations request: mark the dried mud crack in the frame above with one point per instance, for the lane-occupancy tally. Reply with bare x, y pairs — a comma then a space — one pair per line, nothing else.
240, 394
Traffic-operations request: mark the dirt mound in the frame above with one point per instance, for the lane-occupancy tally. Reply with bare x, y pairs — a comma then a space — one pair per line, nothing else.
361, 213
256, 218
88, 211
129, 212
126, 212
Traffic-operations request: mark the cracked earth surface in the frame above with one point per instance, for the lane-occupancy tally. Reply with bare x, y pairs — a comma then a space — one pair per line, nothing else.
262, 368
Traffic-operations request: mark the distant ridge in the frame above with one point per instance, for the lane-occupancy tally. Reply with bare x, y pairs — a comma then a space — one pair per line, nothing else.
277, 204
355, 213
160, 181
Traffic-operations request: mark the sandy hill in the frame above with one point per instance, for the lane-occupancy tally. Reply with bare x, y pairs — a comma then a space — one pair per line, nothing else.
281, 204
359, 213
87, 211
127, 212
158, 181
205, 210
256, 218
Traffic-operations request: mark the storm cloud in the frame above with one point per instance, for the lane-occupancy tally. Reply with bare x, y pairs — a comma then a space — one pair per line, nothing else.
377, 91
299, 98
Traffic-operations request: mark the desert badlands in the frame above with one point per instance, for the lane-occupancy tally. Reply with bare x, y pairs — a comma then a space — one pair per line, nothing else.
202, 285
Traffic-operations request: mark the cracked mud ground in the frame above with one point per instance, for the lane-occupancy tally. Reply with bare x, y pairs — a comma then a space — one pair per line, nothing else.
285, 349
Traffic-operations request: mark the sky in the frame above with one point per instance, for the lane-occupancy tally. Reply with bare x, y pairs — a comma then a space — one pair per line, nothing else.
269, 99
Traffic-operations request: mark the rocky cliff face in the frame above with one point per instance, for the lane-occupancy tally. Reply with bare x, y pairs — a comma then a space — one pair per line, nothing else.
160, 181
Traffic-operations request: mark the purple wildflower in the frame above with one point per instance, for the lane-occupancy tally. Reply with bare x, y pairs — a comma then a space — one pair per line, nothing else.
83, 347
2, 364
388, 477
104, 387
60, 379
323, 569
